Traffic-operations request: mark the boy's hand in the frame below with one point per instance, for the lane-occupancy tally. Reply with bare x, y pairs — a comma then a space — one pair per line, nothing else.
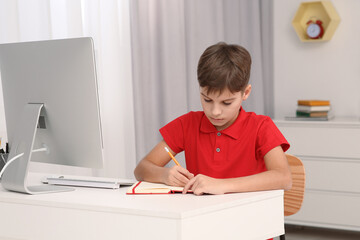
177, 176
203, 184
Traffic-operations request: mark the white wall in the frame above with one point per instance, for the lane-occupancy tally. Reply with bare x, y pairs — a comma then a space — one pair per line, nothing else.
323, 70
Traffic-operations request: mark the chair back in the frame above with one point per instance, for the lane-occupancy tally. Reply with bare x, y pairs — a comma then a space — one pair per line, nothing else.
294, 197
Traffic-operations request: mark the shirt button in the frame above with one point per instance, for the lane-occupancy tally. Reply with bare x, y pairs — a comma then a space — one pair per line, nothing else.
218, 149
219, 134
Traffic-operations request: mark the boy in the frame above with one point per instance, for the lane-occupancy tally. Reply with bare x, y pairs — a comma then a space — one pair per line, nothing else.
226, 149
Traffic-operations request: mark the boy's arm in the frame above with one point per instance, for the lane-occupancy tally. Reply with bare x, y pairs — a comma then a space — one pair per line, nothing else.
278, 176
151, 168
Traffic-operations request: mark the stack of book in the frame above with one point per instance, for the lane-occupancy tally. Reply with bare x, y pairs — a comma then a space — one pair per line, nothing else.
313, 109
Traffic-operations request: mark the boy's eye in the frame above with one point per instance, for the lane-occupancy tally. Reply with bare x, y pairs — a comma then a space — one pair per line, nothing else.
227, 103
207, 100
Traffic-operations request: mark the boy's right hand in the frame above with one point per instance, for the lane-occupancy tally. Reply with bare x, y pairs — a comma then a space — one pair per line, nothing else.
177, 176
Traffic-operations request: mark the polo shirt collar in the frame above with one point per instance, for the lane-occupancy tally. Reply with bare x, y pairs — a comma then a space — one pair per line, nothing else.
232, 131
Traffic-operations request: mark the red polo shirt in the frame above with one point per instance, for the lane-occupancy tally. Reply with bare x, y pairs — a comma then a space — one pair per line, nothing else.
236, 151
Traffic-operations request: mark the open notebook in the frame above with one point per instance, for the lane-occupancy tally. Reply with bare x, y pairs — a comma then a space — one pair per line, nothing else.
153, 188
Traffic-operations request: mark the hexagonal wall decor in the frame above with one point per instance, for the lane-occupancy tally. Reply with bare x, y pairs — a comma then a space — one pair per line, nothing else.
319, 10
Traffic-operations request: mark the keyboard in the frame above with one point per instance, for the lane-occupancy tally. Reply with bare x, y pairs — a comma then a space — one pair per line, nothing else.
87, 181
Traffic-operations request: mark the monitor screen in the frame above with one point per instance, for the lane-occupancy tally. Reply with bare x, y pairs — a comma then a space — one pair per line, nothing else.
51, 102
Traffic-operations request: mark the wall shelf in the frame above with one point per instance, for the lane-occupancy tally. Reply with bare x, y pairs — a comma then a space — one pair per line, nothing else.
320, 10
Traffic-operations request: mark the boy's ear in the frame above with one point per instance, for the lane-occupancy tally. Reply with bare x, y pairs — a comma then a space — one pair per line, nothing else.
247, 92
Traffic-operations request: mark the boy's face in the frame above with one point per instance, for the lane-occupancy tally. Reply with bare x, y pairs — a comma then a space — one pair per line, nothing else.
222, 109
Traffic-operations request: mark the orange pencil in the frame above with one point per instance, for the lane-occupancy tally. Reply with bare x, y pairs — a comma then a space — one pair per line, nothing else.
173, 158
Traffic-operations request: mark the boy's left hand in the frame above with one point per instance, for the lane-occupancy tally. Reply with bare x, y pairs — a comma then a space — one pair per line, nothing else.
201, 184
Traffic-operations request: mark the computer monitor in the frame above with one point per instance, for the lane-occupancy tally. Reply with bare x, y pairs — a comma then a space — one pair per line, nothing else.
51, 102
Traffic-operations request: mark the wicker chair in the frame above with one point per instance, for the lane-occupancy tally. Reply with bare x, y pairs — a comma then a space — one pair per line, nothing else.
294, 197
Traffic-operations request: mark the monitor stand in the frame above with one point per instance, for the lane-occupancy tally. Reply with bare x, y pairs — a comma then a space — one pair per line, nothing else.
15, 175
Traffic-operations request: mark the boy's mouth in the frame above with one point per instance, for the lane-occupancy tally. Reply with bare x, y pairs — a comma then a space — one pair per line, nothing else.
217, 119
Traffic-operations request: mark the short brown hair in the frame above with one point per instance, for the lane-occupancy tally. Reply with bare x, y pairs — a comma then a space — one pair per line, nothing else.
224, 66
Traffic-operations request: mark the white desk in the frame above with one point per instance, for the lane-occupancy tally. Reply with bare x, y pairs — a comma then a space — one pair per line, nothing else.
88, 213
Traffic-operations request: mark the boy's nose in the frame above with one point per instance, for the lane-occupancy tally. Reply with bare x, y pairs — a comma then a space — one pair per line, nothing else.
216, 110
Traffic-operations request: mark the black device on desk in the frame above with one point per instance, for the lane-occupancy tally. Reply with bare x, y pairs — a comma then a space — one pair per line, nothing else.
3, 157
2, 160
